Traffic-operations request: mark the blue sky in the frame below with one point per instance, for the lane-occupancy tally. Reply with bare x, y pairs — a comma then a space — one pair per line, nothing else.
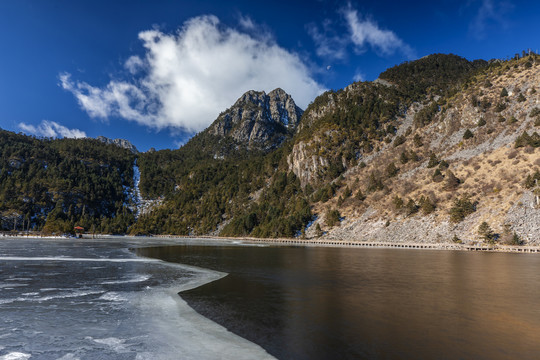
156, 72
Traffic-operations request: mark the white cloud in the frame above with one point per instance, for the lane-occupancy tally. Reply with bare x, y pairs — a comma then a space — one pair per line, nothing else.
191, 76
364, 31
134, 64
51, 129
490, 12
329, 44
333, 40
358, 76
246, 22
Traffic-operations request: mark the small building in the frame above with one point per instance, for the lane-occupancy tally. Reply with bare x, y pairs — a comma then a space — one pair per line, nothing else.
78, 231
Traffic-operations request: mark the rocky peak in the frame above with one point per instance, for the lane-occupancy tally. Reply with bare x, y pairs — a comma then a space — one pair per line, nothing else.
119, 142
259, 120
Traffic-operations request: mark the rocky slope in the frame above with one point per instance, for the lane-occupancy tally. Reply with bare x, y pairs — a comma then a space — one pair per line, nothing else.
258, 120
464, 147
123, 143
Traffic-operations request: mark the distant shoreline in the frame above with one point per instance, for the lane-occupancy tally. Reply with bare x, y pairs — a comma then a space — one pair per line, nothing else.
370, 244
319, 243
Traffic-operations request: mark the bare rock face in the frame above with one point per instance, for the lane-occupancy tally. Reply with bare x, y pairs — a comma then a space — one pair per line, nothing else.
119, 142
259, 120
306, 163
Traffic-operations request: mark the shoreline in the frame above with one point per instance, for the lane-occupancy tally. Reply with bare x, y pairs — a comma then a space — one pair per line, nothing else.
370, 244
528, 249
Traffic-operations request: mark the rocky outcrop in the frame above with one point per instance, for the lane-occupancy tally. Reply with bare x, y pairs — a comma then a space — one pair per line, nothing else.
259, 120
119, 142
306, 163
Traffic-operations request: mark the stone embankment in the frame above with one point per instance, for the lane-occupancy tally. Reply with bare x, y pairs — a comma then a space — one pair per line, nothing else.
374, 244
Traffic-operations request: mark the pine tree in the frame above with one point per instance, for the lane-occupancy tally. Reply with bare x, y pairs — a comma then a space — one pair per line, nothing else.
318, 230
433, 161
485, 231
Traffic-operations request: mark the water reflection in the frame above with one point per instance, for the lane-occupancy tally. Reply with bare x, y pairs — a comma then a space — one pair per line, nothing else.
322, 303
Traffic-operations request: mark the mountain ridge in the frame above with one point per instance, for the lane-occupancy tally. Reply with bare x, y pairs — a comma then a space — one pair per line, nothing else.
425, 154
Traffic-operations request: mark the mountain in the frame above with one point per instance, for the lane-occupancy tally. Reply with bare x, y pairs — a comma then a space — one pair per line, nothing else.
258, 120
441, 149
119, 142
430, 159
209, 181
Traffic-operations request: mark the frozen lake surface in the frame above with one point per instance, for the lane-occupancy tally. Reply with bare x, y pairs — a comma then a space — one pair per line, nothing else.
94, 299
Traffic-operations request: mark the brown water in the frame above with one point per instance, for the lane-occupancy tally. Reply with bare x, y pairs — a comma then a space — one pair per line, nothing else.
340, 303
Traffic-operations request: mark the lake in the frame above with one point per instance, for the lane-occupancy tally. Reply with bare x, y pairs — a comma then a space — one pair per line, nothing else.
344, 303
116, 298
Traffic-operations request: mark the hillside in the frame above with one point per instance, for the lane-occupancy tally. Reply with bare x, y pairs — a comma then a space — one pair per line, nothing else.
457, 160
441, 149
54, 185
221, 172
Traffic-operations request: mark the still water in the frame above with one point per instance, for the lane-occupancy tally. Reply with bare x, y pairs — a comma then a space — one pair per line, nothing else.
340, 303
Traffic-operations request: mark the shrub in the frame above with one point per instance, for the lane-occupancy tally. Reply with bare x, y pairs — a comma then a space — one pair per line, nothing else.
443, 165
485, 104
504, 92
474, 101
534, 112
526, 139
392, 170
452, 182
426, 205
516, 239
521, 98
318, 230
333, 217
461, 207
411, 207
417, 140
360, 195
398, 202
532, 179
468, 134
510, 237
485, 231
513, 120
437, 176
374, 183
404, 158
500, 107
399, 140
433, 161
391, 129
481, 122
